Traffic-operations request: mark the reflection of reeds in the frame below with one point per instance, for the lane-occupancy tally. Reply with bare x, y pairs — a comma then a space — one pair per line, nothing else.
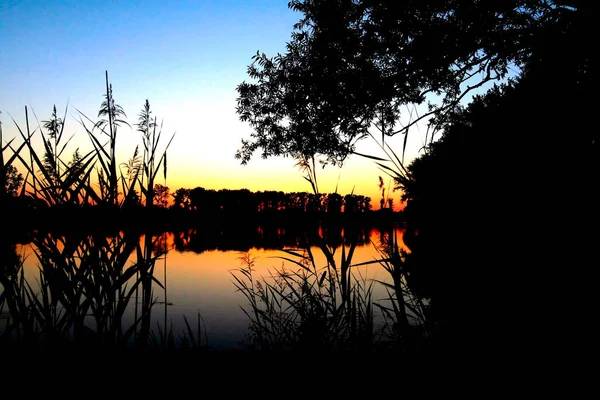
331, 307
84, 279
84, 289
309, 307
405, 314
13, 306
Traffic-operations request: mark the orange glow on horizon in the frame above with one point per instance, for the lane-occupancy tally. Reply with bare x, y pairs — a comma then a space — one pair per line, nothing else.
358, 176
283, 185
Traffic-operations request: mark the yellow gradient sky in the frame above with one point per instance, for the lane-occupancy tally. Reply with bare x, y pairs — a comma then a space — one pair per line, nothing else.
186, 58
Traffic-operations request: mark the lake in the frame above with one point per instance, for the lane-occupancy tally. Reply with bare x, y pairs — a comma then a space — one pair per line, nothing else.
193, 279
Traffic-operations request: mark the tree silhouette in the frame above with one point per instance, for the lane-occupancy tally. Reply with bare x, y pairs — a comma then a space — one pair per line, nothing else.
333, 203
181, 199
13, 180
511, 184
514, 172
352, 65
161, 195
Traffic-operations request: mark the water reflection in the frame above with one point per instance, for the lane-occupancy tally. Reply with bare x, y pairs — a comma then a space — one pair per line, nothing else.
82, 290
228, 237
161, 290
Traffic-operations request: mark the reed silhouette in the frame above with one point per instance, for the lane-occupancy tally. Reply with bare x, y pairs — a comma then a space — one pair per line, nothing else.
328, 309
85, 286
513, 172
86, 219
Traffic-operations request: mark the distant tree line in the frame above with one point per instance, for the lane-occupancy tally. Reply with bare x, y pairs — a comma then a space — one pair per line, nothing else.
247, 202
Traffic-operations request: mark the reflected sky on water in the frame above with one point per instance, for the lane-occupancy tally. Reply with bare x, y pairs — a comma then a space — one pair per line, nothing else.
200, 287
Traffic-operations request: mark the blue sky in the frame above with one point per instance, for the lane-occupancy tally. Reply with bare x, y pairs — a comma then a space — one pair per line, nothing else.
185, 57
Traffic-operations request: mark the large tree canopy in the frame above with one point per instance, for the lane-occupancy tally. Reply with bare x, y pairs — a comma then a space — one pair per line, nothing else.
505, 202
354, 64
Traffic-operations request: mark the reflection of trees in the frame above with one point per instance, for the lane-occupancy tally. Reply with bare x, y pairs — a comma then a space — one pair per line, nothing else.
238, 236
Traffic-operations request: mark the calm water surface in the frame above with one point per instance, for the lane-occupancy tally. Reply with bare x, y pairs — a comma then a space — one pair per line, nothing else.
200, 285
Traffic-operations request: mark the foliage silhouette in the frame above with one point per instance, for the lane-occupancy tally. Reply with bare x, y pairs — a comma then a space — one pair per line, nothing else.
306, 307
494, 175
353, 65
84, 288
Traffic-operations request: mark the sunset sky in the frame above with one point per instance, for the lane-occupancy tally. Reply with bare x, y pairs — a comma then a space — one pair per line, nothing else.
186, 58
